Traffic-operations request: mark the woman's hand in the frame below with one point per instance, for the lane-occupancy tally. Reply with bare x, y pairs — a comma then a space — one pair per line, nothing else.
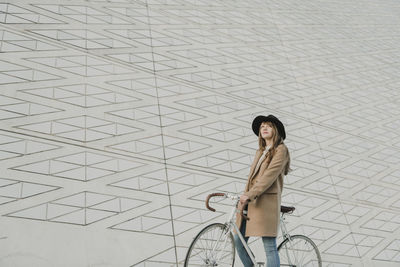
243, 200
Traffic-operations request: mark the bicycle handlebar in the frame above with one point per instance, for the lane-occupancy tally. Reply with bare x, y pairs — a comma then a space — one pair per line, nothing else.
224, 195
213, 195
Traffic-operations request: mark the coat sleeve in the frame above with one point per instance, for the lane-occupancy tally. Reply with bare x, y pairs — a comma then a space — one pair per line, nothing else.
269, 175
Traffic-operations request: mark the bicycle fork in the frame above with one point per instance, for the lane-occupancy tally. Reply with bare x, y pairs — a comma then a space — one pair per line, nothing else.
226, 232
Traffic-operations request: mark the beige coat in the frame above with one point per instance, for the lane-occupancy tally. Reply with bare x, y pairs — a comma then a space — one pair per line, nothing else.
264, 188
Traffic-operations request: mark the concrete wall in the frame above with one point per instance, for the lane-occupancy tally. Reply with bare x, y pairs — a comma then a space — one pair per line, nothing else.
118, 117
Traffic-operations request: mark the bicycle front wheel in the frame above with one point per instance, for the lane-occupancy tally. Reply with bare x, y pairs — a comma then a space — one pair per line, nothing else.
213, 246
299, 251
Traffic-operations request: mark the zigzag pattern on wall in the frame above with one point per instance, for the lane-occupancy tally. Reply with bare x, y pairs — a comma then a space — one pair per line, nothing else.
118, 118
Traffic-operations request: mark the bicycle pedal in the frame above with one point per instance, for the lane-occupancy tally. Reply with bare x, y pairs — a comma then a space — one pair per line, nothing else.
260, 264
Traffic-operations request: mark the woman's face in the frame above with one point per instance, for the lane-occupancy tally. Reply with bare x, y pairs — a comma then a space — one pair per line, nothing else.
266, 130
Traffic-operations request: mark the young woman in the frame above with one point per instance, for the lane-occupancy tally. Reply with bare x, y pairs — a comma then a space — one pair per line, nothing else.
262, 195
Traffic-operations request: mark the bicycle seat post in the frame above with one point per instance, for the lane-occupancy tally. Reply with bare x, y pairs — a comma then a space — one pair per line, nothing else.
284, 230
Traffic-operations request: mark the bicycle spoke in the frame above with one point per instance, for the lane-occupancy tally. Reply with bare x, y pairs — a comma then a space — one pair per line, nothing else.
299, 251
304, 255
212, 247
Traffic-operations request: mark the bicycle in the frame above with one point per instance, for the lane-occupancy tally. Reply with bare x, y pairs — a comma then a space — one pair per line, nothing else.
214, 244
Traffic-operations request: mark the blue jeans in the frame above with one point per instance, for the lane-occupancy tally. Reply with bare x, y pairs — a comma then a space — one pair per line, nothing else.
269, 247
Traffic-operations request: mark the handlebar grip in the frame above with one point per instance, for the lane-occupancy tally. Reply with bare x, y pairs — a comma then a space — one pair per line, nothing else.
213, 195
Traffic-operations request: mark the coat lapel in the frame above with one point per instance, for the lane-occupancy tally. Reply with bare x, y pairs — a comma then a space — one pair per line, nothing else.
253, 170
256, 169
253, 166
256, 158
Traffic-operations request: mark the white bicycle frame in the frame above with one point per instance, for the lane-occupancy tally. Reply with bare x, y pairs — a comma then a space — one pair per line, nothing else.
232, 225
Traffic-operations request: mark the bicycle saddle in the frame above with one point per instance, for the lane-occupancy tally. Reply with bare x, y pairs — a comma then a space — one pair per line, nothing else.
285, 209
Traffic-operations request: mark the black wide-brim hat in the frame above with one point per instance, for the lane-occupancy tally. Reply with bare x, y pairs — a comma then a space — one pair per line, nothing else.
271, 118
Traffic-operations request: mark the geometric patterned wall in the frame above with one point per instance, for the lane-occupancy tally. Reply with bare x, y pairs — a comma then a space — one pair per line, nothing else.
118, 117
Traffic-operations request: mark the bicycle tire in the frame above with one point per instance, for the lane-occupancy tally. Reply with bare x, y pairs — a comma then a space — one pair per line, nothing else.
300, 241
201, 252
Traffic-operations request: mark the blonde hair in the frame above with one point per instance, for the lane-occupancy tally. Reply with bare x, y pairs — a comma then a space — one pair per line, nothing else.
276, 141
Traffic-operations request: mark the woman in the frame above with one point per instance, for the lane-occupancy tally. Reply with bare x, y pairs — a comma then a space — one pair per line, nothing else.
262, 196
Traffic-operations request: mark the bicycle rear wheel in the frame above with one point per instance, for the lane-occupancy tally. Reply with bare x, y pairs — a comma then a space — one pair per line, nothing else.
300, 251
213, 246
